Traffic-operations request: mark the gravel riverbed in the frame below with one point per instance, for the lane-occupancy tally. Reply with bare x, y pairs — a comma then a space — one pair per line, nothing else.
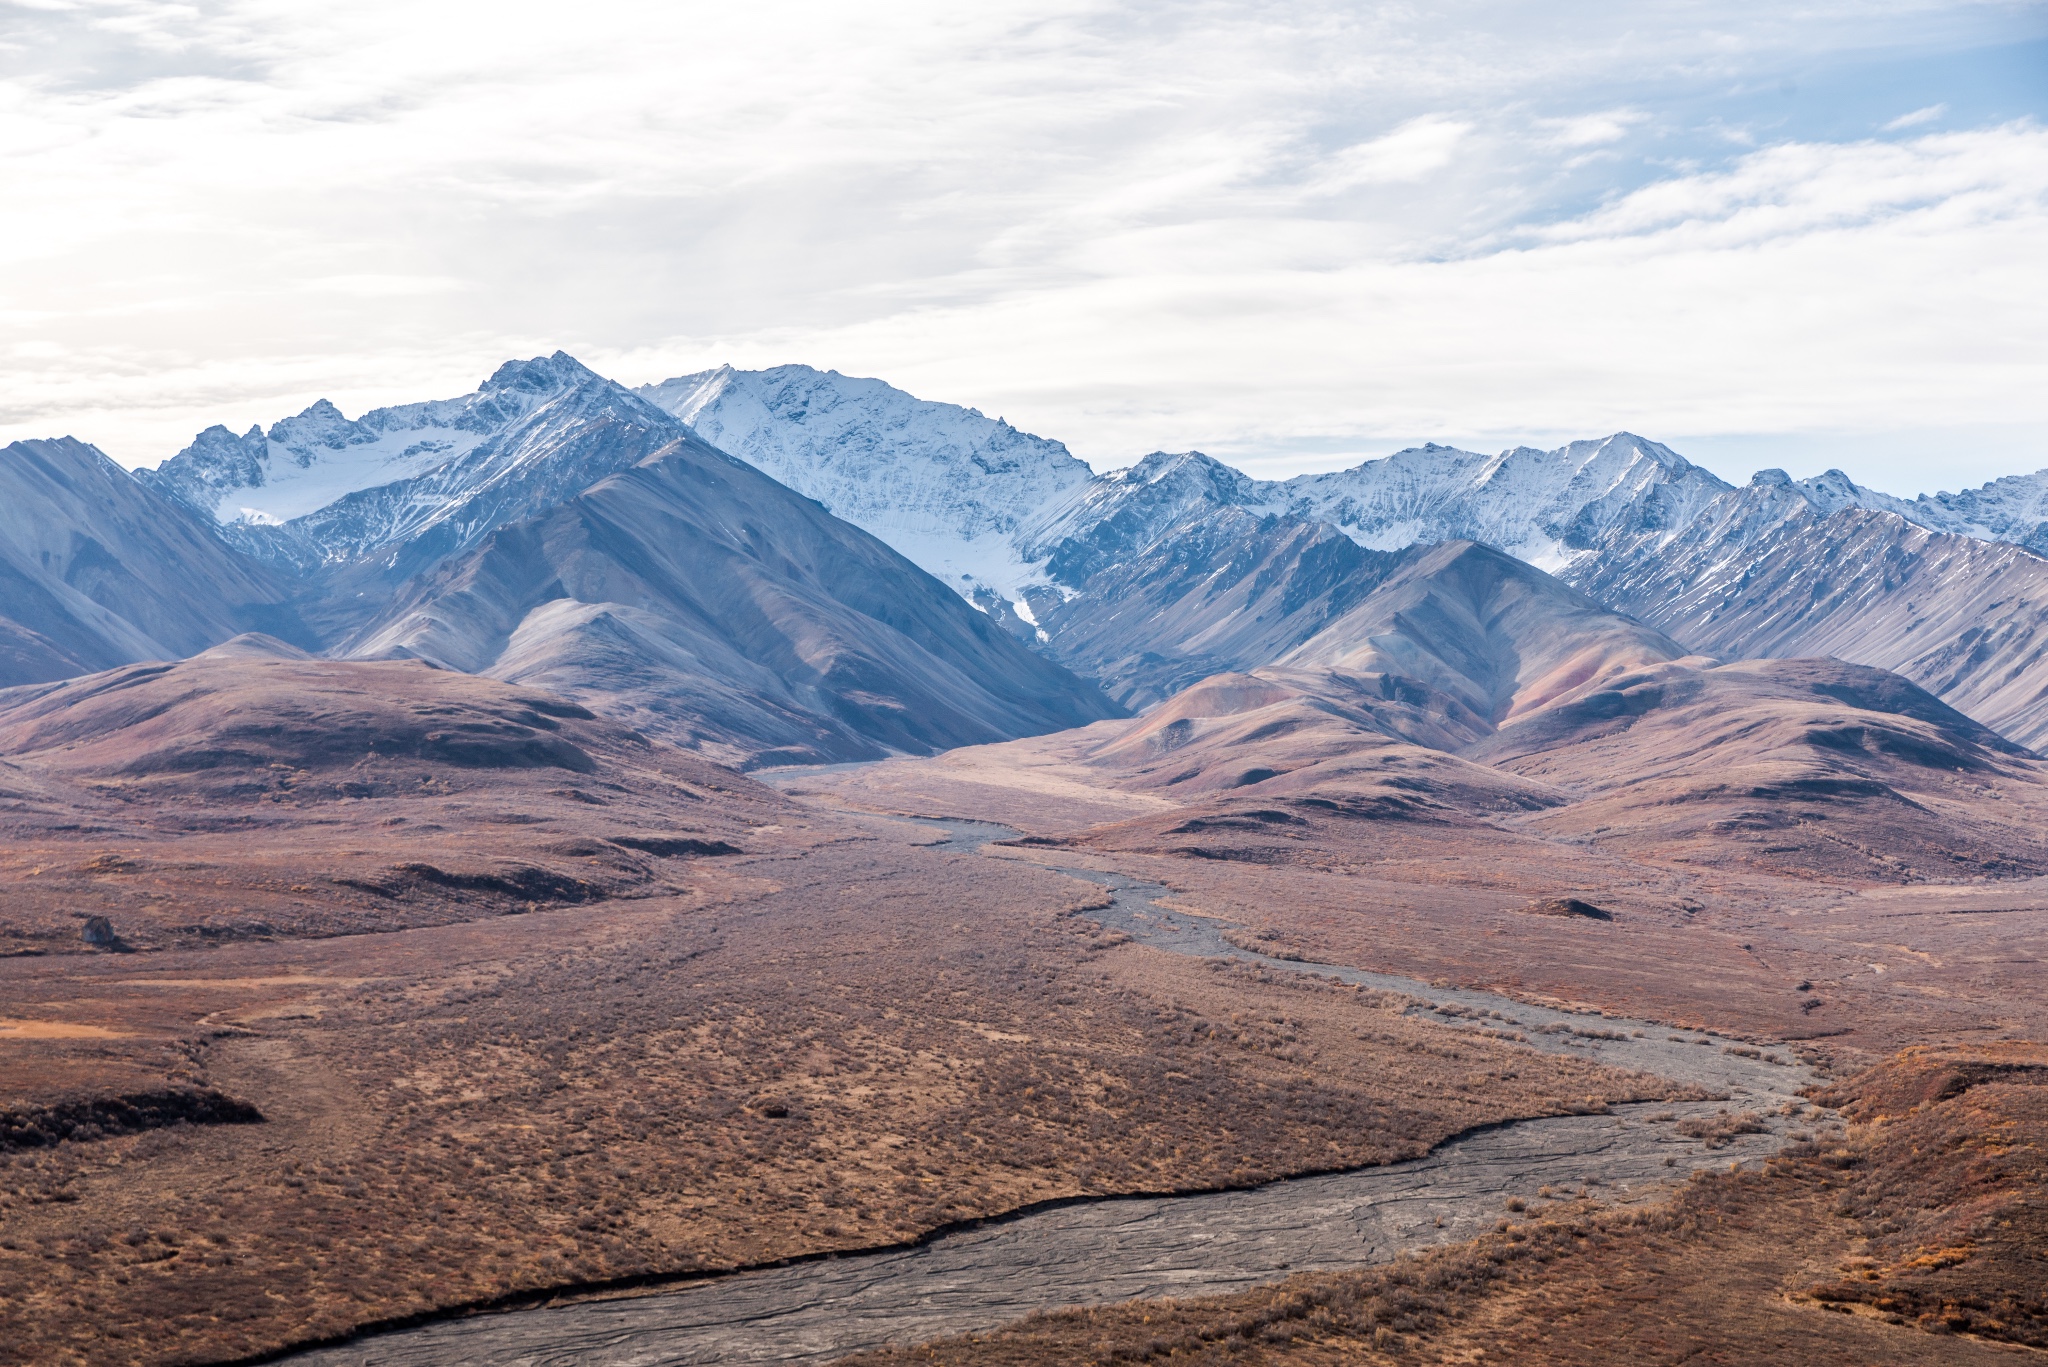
1114, 1249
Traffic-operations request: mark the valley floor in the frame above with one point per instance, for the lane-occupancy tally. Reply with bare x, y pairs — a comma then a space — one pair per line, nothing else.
842, 1040
845, 1037
1914, 1237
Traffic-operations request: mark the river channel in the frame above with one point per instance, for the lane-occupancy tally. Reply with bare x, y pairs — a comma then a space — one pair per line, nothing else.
1113, 1249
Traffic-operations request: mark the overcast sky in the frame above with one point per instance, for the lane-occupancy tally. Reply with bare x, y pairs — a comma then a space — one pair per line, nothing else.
1291, 235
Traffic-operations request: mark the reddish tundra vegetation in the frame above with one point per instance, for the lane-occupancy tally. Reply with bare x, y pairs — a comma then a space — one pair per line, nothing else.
644, 1018
337, 994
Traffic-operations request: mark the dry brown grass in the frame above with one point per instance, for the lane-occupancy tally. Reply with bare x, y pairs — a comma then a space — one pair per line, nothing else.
1921, 1222
229, 800
846, 1046
1773, 944
837, 1040
1763, 958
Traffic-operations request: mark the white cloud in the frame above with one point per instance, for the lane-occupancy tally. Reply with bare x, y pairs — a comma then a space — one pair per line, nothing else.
380, 286
1916, 118
1949, 181
1808, 290
1407, 154
1126, 225
1590, 130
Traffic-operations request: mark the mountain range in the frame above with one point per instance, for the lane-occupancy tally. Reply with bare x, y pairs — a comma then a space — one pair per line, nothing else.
1772, 570
791, 565
386, 931
552, 527
1149, 578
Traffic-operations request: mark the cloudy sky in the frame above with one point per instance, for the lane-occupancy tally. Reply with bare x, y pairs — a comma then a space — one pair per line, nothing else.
1291, 235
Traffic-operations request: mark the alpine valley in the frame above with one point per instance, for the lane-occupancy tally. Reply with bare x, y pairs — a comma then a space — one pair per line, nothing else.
477, 876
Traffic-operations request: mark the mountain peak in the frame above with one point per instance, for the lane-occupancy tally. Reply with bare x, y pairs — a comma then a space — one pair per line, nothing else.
946, 485
320, 462
1542, 506
1655, 450
542, 374
1192, 467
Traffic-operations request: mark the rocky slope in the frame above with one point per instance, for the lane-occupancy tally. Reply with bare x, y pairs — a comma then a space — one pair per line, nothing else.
998, 513
2014, 508
1168, 588
1153, 577
423, 480
709, 605
555, 527
1489, 637
1463, 684
1415, 657
96, 569
2011, 509
1176, 569
946, 486
1227, 591
1147, 579
1542, 507
1771, 570
1536, 505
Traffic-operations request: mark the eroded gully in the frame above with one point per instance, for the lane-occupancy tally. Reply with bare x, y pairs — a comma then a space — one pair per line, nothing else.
1113, 1249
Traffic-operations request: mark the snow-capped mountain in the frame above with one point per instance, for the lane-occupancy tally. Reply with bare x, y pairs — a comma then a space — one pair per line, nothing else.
944, 485
1539, 506
304, 463
1181, 567
1223, 590
501, 532
1144, 578
1785, 568
1121, 515
555, 527
2013, 509
1544, 507
1002, 515
703, 602
320, 489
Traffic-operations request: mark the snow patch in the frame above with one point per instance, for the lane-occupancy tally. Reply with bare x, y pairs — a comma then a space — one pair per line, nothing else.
945, 486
